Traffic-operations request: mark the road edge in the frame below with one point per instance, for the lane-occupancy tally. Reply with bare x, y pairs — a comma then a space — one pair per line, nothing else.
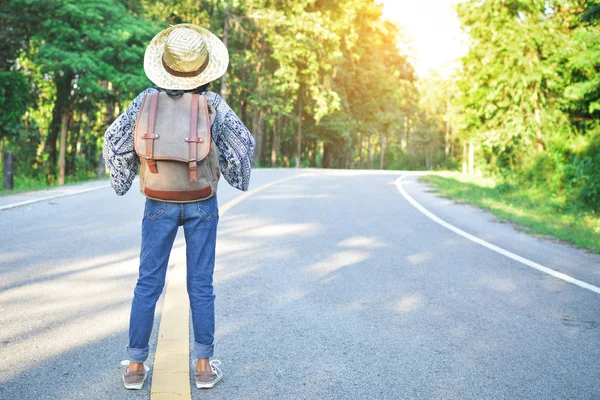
57, 196
481, 242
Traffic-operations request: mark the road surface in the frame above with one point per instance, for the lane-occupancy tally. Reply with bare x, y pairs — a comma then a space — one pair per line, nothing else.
329, 285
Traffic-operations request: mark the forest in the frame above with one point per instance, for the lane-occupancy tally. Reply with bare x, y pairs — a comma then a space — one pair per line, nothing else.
320, 83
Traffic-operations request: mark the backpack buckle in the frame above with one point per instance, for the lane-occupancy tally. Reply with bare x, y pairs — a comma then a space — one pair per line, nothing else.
197, 140
193, 166
152, 165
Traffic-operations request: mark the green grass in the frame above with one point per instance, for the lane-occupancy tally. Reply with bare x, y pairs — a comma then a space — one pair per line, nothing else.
540, 212
25, 184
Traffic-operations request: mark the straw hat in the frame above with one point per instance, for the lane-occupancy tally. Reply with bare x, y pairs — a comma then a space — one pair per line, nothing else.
185, 56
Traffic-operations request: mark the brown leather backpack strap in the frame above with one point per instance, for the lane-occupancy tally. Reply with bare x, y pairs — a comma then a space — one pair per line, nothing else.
152, 166
151, 135
193, 139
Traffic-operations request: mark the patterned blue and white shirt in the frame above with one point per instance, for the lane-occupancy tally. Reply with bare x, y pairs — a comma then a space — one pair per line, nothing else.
235, 142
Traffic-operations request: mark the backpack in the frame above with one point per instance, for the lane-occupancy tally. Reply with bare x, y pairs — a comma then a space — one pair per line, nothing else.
178, 160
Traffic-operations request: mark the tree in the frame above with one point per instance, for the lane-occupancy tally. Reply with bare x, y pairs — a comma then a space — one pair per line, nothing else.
511, 78
78, 45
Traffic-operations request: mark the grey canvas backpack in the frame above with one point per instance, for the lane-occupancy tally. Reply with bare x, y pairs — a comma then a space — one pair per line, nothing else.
179, 162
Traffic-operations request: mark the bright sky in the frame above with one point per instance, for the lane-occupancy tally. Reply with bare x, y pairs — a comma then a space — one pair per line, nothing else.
433, 31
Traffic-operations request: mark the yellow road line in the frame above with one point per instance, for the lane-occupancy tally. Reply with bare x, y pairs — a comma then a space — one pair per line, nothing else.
171, 372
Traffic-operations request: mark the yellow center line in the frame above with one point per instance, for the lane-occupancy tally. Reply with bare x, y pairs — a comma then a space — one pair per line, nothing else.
171, 375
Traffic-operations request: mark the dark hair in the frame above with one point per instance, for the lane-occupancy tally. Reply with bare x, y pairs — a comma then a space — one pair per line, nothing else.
200, 89
175, 93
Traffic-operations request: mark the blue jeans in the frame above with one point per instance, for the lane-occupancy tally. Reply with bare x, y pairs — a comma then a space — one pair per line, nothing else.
159, 228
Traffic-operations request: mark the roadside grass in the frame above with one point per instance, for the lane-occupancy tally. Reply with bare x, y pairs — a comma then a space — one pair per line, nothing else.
534, 210
25, 184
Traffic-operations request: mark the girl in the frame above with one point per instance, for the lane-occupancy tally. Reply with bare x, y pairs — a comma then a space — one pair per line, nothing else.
182, 58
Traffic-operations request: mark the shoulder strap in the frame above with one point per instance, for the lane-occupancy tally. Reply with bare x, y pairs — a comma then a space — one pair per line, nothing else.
151, 135
193, 138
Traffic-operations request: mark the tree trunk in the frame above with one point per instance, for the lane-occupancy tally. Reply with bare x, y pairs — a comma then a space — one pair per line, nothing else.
63, 94
471, 158
348, 160
360, 146
452, 143
261, 130
313, 155
447, 140
101, 167
370, 147
404, 140
382, 154
275, 144
464, 157
225, 40
411, 131
64, 122
299, 133
327, 156
73, 137
109, 110
77, 143
258, 135
257, 115
117, 111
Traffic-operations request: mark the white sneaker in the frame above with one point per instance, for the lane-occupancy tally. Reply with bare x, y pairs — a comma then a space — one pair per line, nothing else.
208, 380
134, 379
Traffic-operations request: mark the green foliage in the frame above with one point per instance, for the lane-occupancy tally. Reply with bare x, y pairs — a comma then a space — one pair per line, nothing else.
592, 13
79, 59
585, 168
326, 76
510, 80
331, 67
329, 71
582, 94
529, 95
14, 99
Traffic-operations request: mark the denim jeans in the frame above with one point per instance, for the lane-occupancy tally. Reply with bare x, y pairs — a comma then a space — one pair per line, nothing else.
159, 227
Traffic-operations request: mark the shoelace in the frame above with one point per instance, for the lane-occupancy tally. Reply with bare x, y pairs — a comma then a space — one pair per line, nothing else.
126, 363
214, 365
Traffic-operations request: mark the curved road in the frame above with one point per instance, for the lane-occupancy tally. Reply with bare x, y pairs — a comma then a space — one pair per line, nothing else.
330, 285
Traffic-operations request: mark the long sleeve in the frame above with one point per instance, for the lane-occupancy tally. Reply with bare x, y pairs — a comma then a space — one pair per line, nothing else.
118, 152
236, 143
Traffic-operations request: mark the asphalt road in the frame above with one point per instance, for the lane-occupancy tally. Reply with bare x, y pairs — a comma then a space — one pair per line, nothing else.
329, 286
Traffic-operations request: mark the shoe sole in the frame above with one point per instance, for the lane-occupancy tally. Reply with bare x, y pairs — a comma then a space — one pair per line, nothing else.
207, 385
136, 386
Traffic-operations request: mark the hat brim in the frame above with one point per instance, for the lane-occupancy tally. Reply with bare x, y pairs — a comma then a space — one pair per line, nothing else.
156, 72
